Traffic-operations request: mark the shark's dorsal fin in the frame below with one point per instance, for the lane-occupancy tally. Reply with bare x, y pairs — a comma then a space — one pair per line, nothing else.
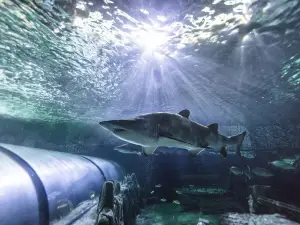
185, 113
213, 127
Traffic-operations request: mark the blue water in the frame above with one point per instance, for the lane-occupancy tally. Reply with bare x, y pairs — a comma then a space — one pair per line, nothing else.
64, 67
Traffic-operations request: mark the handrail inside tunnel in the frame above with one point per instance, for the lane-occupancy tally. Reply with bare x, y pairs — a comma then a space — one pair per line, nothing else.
49, 184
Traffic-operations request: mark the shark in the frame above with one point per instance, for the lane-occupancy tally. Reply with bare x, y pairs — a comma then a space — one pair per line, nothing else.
164, 129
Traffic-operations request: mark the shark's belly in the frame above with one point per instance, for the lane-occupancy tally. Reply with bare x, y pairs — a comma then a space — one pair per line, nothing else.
174, 143
137, 139
146, 141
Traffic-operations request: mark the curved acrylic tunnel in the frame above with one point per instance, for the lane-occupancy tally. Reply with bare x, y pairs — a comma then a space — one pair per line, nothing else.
35, 184
111, 171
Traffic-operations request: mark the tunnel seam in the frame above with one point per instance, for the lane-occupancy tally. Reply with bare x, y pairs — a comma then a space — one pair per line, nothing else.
118, 167
43, 204
101, 171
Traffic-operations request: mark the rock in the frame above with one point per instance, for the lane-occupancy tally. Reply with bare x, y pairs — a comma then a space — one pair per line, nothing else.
203, 222
250, 219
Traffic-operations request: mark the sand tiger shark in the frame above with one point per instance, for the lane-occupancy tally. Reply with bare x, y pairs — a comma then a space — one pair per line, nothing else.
172, 130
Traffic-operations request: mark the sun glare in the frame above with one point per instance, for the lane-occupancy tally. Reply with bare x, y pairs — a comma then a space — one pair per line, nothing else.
150, 40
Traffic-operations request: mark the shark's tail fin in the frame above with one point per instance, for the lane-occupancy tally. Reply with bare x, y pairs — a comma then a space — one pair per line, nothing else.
238, 140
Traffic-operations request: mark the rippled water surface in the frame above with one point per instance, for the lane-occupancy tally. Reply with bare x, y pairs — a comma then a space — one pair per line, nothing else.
226, 61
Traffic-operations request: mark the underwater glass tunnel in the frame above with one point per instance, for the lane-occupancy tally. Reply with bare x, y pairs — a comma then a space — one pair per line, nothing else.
149, 112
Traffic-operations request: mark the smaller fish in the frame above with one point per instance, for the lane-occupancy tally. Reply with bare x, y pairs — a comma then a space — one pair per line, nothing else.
249, 154
163, 200
158, 185
92, 194
236, 171
178, 192
152, 192
261, 172
289, 161
283, 164
176, 202
191, 185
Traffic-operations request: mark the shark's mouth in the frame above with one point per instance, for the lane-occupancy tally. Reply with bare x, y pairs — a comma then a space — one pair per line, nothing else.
118, 130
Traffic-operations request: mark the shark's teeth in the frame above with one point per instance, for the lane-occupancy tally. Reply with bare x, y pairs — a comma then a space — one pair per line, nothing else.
116, 130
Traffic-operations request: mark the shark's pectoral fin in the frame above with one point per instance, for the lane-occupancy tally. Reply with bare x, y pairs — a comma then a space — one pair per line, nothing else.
214, 128
185, 113
194, 152
149, 150
223, 151
129, 146
121, 146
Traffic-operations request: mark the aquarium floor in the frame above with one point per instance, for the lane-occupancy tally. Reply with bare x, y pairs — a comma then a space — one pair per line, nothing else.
171, 214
